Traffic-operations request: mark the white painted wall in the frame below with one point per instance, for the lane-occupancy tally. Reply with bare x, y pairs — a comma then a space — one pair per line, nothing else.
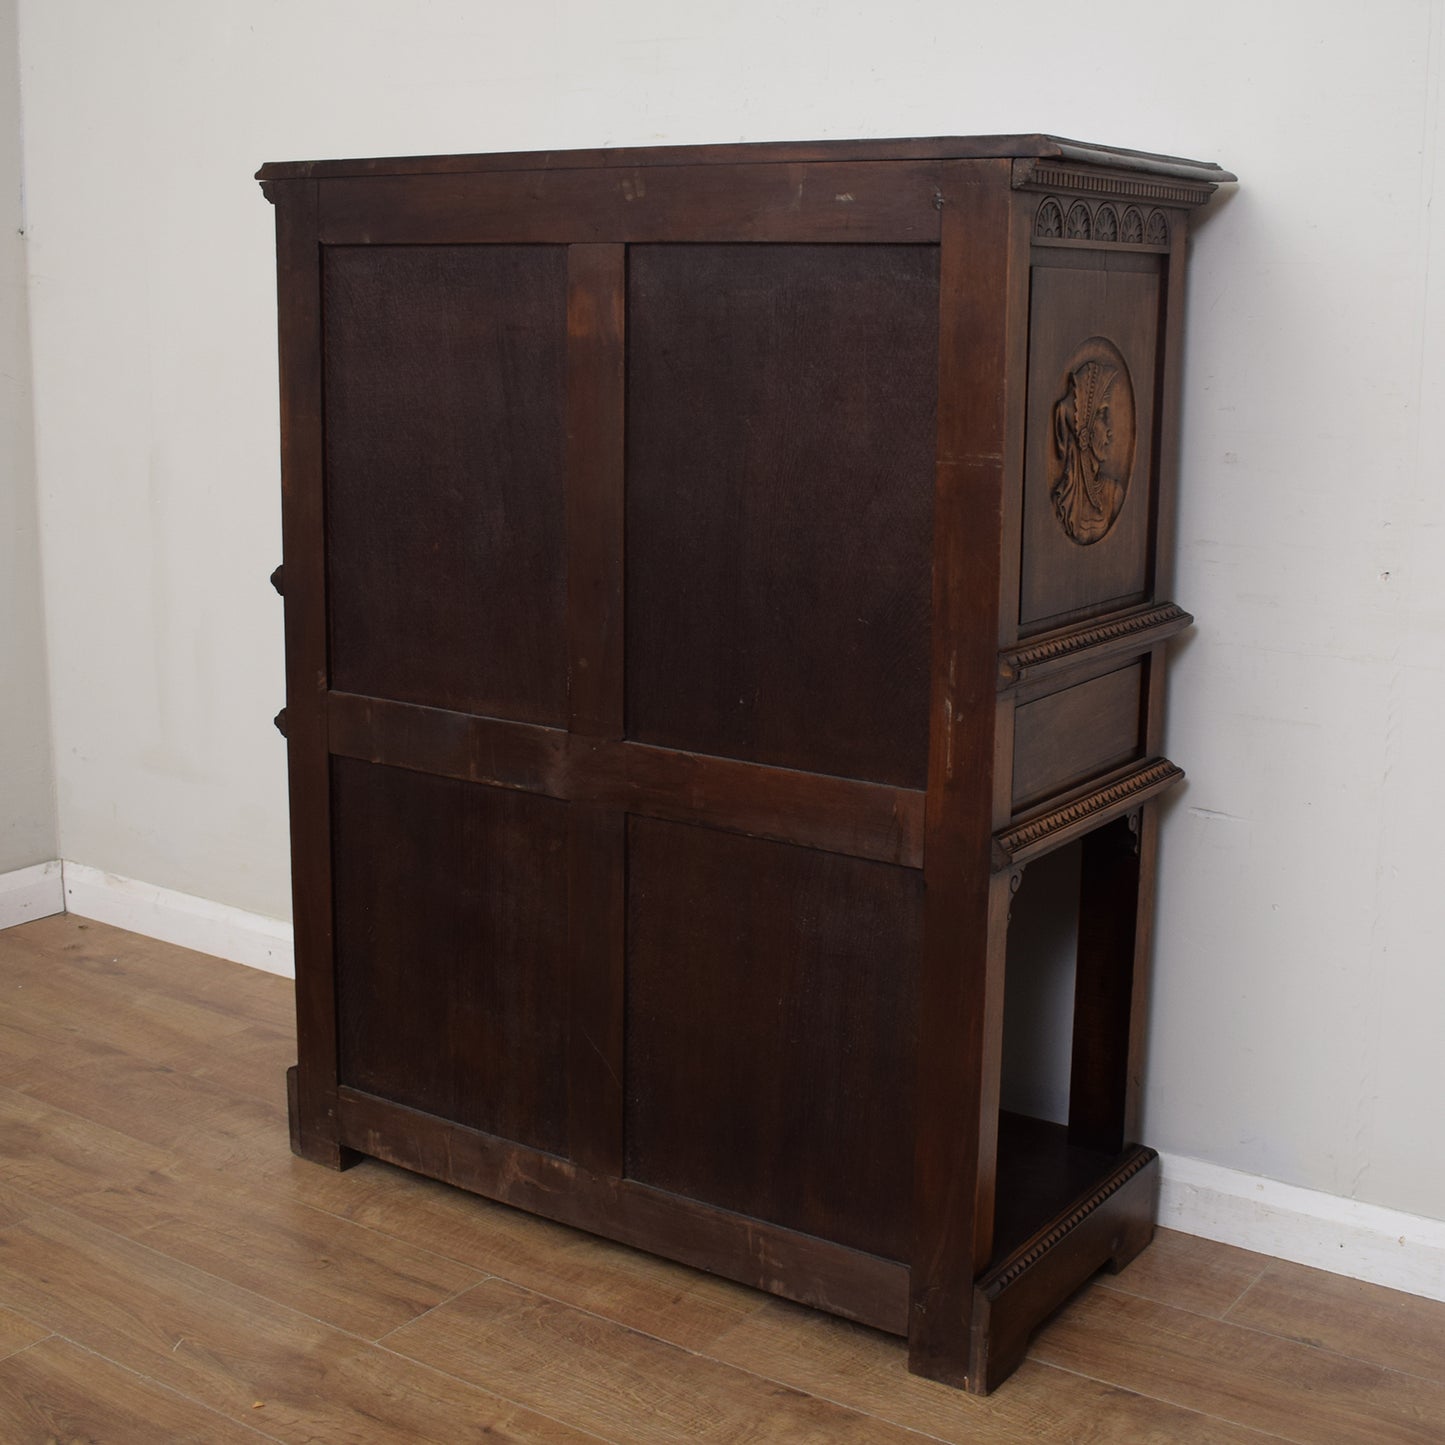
1300, 994
27, 786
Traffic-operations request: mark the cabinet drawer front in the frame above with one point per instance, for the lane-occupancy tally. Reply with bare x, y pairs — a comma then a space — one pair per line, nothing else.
1074, 735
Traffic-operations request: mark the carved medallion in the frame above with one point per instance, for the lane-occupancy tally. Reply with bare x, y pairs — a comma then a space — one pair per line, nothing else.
1093, 441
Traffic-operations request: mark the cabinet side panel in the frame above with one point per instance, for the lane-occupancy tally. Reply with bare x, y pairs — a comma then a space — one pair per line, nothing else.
445, 433
781, 404
771, 1031
451, 928
1089, 483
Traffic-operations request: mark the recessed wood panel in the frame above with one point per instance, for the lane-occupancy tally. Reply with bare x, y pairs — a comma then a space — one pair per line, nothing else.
1090, 442
451, 929
781, 438
445, 433
771, 1031
1076, 734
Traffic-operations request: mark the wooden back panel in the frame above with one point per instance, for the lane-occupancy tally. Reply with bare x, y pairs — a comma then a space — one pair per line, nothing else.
780, 415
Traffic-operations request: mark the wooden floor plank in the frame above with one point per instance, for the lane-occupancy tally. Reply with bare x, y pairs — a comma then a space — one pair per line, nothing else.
227, 1348
57, 1392
105, 955
151, 1212
150, 1101
868, 1371
54, 1156
1396, 1330
1190, 1273
681, 1305
18, 1333
618, 1383
355, 1278
1219, 1368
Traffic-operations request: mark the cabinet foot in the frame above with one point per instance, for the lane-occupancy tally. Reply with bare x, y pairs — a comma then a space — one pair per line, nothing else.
312, 1144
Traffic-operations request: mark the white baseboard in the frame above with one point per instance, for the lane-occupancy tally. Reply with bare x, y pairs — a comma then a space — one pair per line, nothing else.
30, 893
1365, 1241
180, 918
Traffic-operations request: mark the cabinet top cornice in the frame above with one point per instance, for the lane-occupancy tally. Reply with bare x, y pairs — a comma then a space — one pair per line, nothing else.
941, 148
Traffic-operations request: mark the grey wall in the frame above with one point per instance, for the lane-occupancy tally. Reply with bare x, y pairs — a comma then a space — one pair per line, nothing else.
27, 785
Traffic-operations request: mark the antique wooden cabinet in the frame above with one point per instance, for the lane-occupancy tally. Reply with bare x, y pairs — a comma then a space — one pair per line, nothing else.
712, 575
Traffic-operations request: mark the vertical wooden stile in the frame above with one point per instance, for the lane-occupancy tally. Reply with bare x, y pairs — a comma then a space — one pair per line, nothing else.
965, 911
298, 286
597, 839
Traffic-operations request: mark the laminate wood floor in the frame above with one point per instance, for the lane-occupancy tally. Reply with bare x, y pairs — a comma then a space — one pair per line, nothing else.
169, 1272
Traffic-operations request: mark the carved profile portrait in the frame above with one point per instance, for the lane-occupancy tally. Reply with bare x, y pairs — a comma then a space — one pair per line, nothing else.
1093, 441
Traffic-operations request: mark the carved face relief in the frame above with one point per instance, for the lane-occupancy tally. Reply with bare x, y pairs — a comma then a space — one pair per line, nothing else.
1093, 441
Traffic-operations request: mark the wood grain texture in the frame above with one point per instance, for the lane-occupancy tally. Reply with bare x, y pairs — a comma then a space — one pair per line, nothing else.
228, 1347
860, 1368
18, 1333
446, 421
723, 203
1346, 1316
960, 994
842, 815
1189, 1273
816, 1271
1063, 578
595, 472
1077, 733
57, 1392
773, 152
771, 1075
308, 676
452, 937
627, 1385
1275, 1385
778, 570
1150, 1367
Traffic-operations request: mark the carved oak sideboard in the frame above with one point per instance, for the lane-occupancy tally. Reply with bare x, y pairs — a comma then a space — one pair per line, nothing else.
712, 575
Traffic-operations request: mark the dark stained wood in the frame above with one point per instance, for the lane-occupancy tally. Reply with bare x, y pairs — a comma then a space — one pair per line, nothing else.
802, 1267
774, 152
960, 990
446, 424
866, 820
596, 379
852, 202
778, 569
1063, 576
1041, 830
1077, 733
1084, 646
1104, 984
1107, 1227
732, 566
772, 1075
596, 944
298, 297
451, 947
